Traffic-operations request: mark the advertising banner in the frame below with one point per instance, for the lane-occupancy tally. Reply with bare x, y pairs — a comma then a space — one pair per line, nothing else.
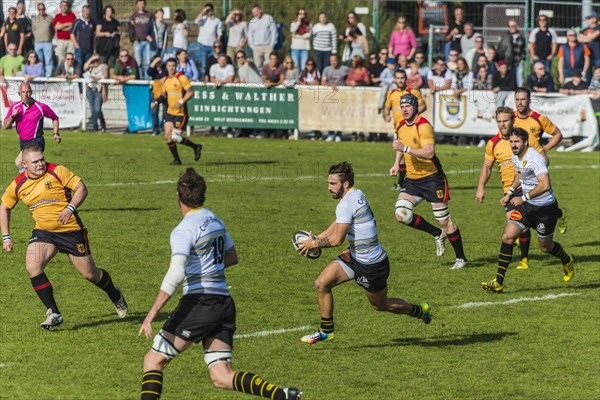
138, 99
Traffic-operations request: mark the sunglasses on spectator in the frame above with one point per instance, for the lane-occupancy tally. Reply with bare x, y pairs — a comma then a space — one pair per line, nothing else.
441, 64
373, 58
571, 34
240, 57
310, 64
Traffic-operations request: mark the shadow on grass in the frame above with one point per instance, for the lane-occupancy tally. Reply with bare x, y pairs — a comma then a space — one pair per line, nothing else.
444, 340
594, 244
132, 317
122, 209
241, 162
543, 260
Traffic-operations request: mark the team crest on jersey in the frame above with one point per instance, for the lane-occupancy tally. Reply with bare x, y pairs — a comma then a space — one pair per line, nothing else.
453, 111
524, 163
81, 248
516, 216
440, 194
48, 185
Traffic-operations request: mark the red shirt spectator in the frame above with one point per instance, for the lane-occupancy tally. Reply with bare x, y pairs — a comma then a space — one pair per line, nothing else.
358, 74
61, 18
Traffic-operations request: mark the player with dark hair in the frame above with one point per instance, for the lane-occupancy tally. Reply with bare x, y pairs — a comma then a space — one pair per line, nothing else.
177, 90
365, 261
201, 250
29, 114
392, 103
536, 125
498, 150
536, 208
425, 180
53, 194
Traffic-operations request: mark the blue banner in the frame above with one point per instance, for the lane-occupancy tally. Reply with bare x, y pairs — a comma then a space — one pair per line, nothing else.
137, 99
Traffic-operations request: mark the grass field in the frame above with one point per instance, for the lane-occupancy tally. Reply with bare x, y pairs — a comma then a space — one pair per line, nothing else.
544, 348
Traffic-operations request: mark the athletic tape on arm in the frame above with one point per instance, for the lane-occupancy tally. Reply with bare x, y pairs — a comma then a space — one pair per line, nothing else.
174, 275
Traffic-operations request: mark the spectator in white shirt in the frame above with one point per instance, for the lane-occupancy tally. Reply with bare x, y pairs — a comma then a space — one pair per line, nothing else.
300, 28
221, 72
439, 77
262, 35
238, 32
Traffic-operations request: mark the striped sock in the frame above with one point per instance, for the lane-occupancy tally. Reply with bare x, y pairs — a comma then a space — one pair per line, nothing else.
456, 242
105, 283
43, 288
416, 311
247, 382
327, 325
152, 385
559, 252
419, 223
504, 258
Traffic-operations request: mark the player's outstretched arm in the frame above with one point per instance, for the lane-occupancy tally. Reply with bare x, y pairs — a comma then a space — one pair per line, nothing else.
7, 244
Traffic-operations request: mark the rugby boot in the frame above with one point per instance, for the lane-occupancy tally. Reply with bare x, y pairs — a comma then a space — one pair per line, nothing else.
440, 244
318, 336
292, 393
52, 320
492, 286
426, 317
568, 268
523, 264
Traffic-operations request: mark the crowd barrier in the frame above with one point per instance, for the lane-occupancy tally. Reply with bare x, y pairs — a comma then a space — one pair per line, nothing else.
309, 108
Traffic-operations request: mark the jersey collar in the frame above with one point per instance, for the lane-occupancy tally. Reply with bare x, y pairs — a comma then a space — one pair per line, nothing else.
193, 210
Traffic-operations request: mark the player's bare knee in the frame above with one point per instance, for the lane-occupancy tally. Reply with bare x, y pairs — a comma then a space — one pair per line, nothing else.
508, 238
220, 378
154, 361
322, 286
546, 247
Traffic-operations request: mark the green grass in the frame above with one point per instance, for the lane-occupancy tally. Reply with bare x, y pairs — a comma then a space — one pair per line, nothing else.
265, 190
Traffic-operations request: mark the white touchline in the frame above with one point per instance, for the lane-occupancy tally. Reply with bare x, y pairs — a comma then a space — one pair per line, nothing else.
273, 332
517, 300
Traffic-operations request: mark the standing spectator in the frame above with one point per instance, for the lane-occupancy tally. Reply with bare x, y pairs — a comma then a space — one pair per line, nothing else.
594, 90
140, 35
467, 41
156, 72
475, 52
292, 74
62, 24
575, 86
483, 80
455, 32
402, 40
542, 43
94, 90
43, 33
272, 73
211, 31
108, 35
238, 32
186, 66
375, 69
386, 82
439, 78
462, 78
413, 78
126, 68
358, 75
334, 75
159, 33
324, 41
26, 25
310, 75
82, 36
247, 71
300, 29
572, 56
221, 73
32, 68
13, 31
69, 68
180, 30
492, 59
590, 36
359, 45
540, 80
511, 49
2, 30
503, 81
213, 59
352, 20
11, 64
423, 68
262, 35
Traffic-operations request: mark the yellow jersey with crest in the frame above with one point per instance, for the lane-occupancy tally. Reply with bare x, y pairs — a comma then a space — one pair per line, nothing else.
417, 135
174, 88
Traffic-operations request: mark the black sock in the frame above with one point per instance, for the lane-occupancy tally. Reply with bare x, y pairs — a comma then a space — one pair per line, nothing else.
173, 149
187, 142
401, 174
105, 283
504, 258
247, 382
524, 241
559, 252
416, 311
327, 325
419, 223
456, 242
43, 288
152, 385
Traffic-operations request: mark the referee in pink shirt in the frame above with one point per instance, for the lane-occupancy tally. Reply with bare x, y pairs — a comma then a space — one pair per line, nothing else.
29, 114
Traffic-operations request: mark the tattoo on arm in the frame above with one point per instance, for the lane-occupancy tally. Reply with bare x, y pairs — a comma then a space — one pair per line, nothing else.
324, 242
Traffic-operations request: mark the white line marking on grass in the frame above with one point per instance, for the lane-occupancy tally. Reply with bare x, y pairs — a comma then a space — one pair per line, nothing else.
2, 365
273, 332
518, 300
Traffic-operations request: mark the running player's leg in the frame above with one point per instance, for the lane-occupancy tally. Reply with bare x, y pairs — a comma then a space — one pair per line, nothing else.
168, 125
177, 134
381, 302
37, 257
547, 220
441, 212
404, 214
511, 233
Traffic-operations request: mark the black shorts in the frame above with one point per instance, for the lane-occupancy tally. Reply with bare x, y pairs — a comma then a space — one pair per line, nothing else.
202, 316
433, 188
38, 141
372, 277
179, 121
75, 243
542, 218
509, 207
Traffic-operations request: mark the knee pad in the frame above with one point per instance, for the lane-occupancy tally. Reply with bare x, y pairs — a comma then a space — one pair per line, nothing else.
404, 209
442, 213
165, 347
176, 136
215, 356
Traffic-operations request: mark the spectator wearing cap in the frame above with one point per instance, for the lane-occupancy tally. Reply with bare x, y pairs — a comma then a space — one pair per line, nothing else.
543, 42
590, 36
439, 77
221, 72
540, 80
572, 56
262, 35
575, 86
186, 66
214, 59
211, 31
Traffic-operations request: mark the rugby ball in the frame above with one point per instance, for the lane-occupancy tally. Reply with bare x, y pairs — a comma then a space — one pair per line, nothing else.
303, 235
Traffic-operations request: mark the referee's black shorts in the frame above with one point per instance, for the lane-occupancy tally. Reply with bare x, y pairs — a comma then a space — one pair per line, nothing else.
38, 141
